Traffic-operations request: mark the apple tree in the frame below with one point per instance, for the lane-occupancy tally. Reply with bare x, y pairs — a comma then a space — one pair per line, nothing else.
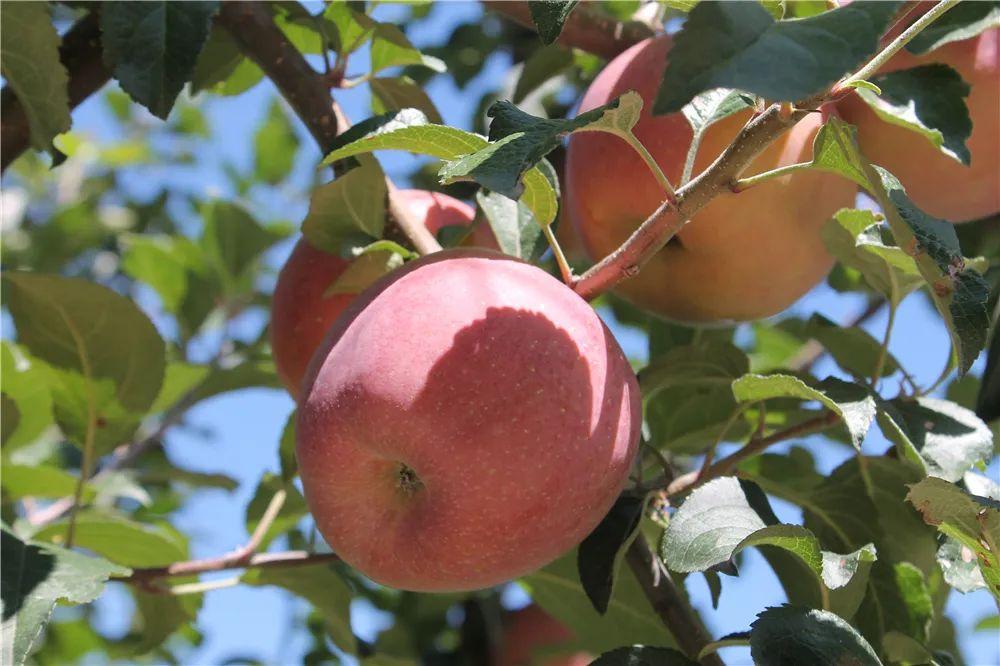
635, 316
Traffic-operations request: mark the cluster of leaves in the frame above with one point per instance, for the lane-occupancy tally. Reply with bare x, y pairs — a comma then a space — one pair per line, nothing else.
884, 538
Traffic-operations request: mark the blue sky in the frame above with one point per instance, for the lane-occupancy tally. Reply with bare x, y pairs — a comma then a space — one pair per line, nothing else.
246, 426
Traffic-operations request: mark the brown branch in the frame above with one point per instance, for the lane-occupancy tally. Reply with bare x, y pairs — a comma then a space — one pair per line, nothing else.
668, 219
668, 601
585, 28
80, 53
292, 558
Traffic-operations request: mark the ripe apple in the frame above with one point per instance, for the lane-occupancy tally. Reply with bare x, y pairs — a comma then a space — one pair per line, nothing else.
467, 420
938, 184
743, 256
530, 628
301, 315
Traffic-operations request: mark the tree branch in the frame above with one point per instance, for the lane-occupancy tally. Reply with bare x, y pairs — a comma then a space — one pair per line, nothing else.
668, 602
585, 28
80, 53
668, 219
291, 558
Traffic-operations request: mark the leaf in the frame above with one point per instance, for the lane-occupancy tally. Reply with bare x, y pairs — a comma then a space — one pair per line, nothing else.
158, 617
24, 382
402, 92
515, 228
233, 242
29, 63
370, 264
854, 349
292, 510
988, 400
217, 61
391, 48
852, 402
153, 46
409, 130
942, 438
792, 635
898, 601
162, 263
323, 587
518, 142
835, 149
44, 481
853, 237
928, 100
642, 655
541, 66
180, 379
599, 555
34, 577
726, 45
80, 326
245, 375
988, 623
960, 566
701, 364
352, 28
712, 106
286, 451
275, 145
963, 21
351, 203
629, 620
120, 540
549, 17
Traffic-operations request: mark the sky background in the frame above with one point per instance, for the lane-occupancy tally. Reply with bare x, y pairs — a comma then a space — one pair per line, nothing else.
246, 425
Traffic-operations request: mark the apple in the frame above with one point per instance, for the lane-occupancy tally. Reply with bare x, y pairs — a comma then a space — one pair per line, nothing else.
938, 184
467, 420
529, 630
743, 256
301, 315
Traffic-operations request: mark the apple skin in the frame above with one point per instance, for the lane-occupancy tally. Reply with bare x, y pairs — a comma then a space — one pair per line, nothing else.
743, 256
300, 315
467, 420
530, 628
938, 184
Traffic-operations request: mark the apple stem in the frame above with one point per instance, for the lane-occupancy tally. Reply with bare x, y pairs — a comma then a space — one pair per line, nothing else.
564, 268
746, 183
895, 45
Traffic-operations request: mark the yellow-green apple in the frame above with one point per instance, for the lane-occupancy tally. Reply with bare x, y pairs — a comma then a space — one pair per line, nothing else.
528, 633
301, 314
467, 420
934, 181
743, 256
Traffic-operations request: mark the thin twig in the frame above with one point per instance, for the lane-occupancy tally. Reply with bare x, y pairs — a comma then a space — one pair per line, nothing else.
292, 558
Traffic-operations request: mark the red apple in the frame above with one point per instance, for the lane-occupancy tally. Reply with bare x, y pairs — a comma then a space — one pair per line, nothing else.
467, 420
526, 631
743, 256
301, 315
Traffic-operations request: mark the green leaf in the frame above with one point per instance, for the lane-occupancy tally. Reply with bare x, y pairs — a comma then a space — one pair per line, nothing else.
286, 450
352, 28
711, 364
245, 375
972, 520
162, 263
543, 65
963, 21
928, 100
152, 47
121, 540
642, 655
81, 326
835, 149
852, 402
351, 203
391, 48
323, 587
988, 623
898, 601
959, 292
43, 481
549, 17
854, 349
707, 109
409, 130
629, 620
29, 63
793, 635
519, 141
515, 228
369, 264
275, 145
599, 555
24, 382
402, 92
942, 438
158, 616
292, 511
180, 379
34, 577
233, 242
853, 237
729, 44
218, 59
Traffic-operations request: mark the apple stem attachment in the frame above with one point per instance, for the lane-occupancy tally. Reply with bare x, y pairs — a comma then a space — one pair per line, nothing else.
894, 46
564, 268
408, 481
